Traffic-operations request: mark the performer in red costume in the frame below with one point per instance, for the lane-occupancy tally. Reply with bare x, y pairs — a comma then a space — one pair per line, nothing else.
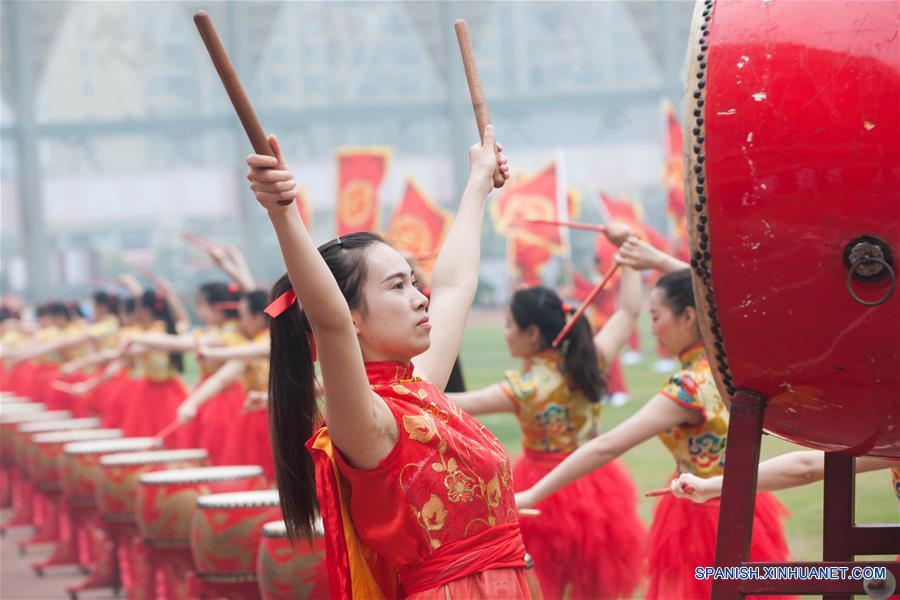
594, 522
416, 496
690, 418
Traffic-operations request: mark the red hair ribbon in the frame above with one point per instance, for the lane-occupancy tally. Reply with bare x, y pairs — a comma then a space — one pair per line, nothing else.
233, 288
281, 303
566, 308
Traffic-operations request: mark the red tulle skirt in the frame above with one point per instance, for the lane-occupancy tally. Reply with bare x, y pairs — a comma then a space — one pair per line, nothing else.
588, 540
116, 394
209, 428
153, 406
21, 379
683, 537
248, 443
44, 375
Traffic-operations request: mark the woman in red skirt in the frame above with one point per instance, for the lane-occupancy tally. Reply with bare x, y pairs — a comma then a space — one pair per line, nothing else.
690, 418
594, 522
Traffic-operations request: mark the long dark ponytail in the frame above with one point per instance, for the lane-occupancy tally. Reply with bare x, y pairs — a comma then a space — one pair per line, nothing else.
543, 307
293, 412
155, 302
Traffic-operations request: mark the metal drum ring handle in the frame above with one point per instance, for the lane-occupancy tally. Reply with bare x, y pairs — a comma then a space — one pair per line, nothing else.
864, 260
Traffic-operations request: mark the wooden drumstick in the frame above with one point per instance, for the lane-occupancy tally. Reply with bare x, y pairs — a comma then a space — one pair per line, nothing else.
528, 512
570, 224
168, 430
476, 91
688, 489
584, 305
233, 87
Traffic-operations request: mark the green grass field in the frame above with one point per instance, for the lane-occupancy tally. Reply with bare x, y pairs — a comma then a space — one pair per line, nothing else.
485, 358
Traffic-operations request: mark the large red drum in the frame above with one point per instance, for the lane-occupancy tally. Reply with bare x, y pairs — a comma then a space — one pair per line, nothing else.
81, 465
9, 425
166, 499
225, 534
285, 571
46, 462
792, 129
25, 446
117, 491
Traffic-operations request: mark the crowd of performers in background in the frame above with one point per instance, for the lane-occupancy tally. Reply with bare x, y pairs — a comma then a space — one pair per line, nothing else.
442, 510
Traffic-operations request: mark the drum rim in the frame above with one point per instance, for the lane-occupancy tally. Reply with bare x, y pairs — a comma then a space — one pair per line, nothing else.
210, 501
119, 459
149, 479
99, 431
134, 440
88, 422
26, 417
236, 577
281, 534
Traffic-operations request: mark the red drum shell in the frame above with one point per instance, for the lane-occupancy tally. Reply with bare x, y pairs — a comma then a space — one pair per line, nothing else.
25, 446
81, 465
166, 499
117, 489
792, 155
46, 462
225, 533
9, 425
285, 571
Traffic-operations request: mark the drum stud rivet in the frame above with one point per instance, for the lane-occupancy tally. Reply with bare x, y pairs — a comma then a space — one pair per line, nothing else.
700, 226
700, 56
696, 131
705, 33
698, 169
694, 263
703, 65
700, 138
703, 199
699, 74
700, 102
701, 158
702, 84
697, 149
697, 112
707, 256
701, 178
703, 218
699, 189
704, 27
696, 94
698, 206
700, 121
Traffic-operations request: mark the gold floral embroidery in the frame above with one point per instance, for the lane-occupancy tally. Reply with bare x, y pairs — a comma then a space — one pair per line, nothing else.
460, 488
421, 428
432, 517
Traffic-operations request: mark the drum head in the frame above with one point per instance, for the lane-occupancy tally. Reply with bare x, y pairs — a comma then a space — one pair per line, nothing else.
239, 499
153, 457
201, 474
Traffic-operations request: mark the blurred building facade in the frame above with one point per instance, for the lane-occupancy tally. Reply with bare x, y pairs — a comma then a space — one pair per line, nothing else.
117, 136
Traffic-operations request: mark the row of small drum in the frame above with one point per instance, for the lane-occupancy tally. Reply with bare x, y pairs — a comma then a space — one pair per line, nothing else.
205, 531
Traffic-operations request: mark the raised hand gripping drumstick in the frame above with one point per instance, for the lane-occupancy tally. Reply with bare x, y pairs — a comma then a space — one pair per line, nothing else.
233, 87
476, 92
587, 302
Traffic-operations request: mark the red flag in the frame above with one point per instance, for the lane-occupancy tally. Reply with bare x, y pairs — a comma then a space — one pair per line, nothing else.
303, 207
526, 260
360, 172
673, 180
534, 198
418, 226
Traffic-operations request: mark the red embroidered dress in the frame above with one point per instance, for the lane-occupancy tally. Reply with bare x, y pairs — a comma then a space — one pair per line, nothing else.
436, 516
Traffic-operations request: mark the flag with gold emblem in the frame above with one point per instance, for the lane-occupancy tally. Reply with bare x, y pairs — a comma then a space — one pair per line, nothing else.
418, 226
360, 172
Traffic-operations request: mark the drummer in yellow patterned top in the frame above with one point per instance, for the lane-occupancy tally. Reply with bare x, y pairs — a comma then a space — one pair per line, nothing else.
11, 335
692, 421
588, 540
